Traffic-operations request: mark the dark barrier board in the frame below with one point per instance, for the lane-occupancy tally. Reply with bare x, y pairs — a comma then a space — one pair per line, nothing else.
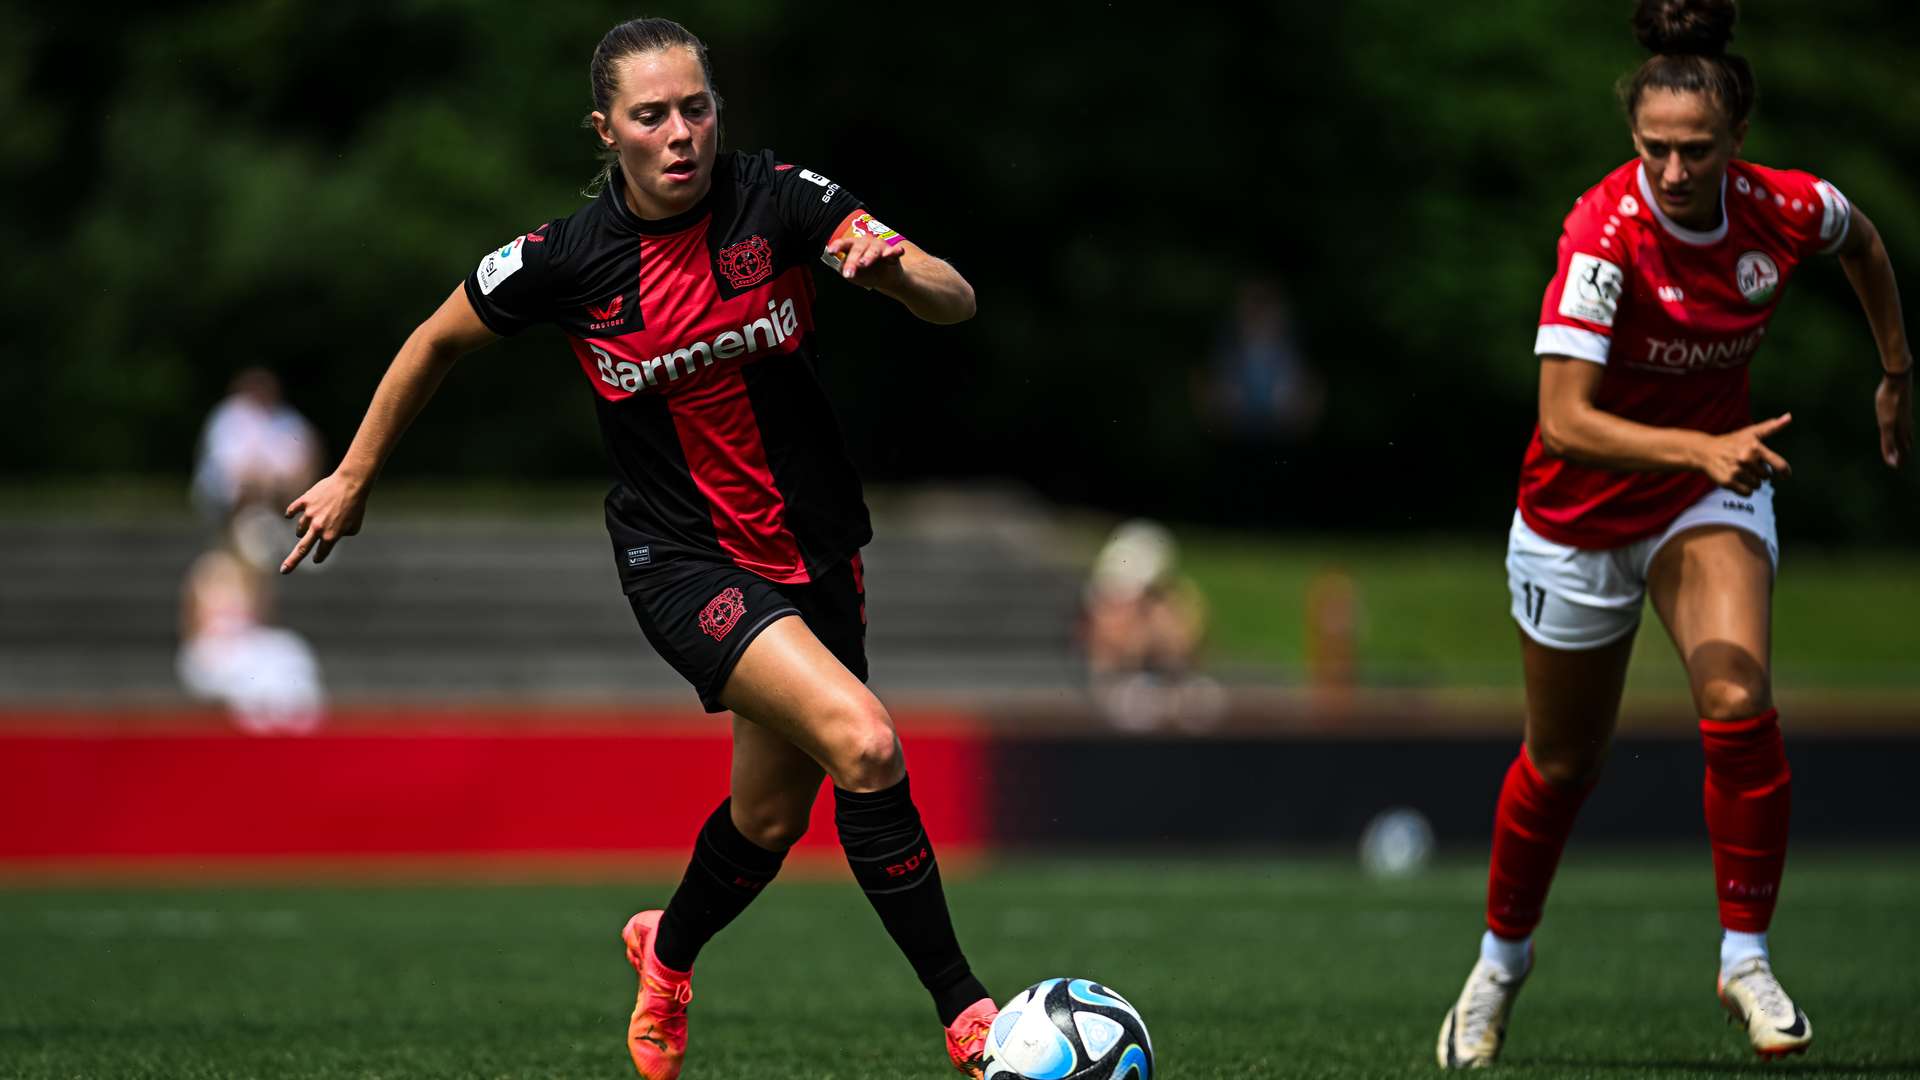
1226, 795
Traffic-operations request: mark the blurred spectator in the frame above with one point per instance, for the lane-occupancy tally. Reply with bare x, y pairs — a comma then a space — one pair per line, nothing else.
266, 675
1334, 617
256, 455
1143, 625
1258, 384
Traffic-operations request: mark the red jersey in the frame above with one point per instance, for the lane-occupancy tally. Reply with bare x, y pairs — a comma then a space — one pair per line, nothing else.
1675, 316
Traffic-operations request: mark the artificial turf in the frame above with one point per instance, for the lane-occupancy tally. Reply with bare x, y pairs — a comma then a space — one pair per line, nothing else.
1283, 967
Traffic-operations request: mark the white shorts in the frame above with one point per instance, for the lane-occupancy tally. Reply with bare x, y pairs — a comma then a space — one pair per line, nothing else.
1583, 598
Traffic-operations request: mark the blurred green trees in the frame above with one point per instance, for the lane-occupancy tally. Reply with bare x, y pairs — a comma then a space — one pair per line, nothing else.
195, 188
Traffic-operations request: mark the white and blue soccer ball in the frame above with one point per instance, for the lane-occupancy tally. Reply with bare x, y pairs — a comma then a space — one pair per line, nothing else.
1069, 1029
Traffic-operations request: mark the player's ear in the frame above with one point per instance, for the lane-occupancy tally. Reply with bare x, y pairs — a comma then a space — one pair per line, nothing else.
1739, 137
601, 127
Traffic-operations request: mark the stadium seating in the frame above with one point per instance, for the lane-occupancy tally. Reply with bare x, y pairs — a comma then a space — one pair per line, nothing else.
967, 593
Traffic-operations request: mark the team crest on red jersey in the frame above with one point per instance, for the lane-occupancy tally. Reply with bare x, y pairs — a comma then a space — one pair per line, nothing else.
722, 613
747, 263
1757, 277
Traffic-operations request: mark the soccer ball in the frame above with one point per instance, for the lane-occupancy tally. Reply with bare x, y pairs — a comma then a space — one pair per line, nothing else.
1398, 842
1069, 1029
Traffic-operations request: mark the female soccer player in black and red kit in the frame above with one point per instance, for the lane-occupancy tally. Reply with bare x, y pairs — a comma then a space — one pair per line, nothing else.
684, 289
1646, 475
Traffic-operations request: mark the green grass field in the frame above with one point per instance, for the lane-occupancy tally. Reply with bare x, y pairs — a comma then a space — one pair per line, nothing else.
1297, 968
1434, 612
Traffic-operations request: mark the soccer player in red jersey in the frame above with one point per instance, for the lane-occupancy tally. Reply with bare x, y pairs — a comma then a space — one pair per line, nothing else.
685, 291
1647, 476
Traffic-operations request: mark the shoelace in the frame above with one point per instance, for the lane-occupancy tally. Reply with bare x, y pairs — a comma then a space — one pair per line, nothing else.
1769, 997
1483, 1006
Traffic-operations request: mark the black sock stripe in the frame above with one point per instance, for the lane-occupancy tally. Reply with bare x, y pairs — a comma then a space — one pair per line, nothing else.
898, 793
729, 873
908, 887
919, 841
767, 866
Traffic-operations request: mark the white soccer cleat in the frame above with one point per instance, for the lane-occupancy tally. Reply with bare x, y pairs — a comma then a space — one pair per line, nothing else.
1475, 1027
1753, 997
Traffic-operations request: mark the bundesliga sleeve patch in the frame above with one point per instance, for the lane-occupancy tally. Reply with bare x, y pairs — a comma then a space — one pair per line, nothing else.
1593, 288
500, 265
1836, 215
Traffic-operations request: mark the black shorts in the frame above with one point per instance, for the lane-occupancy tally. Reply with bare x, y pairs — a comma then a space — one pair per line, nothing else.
700, 616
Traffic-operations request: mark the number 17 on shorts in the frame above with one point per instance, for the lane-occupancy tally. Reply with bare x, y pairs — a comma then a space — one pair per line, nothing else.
1533, 603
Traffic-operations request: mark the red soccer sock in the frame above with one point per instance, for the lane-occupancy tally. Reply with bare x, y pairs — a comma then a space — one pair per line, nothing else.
1748, 798
1530, 828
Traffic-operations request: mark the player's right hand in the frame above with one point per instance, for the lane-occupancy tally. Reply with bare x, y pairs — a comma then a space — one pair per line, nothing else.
1893, 408
328, 511
1740, 460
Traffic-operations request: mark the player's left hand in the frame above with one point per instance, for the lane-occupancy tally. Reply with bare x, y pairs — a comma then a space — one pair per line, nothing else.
869, 262
1893, 407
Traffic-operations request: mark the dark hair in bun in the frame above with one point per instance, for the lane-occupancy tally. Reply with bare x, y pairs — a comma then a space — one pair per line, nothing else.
1688, 39
1685, 27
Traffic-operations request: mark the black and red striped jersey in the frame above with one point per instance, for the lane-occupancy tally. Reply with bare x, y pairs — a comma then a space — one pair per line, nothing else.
696, 333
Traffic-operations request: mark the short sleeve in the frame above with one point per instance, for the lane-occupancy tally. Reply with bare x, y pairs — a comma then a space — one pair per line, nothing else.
1589, 284
1817, 216
811, 206
513, 287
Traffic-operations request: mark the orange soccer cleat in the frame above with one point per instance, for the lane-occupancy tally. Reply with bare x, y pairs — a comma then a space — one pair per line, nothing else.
967, 1037
657, 1034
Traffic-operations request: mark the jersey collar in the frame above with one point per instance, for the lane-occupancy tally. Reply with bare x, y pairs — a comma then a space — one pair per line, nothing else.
615, 195
1675, 229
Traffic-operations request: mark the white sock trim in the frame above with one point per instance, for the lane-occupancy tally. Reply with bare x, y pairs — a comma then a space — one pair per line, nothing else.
1738, 947
1513, 956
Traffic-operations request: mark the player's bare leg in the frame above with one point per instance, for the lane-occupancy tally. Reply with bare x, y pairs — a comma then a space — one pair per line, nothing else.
1573, 703
793, 687
774, 785
1713, 587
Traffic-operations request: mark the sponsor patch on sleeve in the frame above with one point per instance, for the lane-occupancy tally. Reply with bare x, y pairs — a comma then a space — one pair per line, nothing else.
1592, 292
814, 178
500, 265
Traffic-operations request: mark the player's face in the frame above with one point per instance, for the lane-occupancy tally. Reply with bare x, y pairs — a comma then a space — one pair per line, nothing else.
665, 125
1685, 142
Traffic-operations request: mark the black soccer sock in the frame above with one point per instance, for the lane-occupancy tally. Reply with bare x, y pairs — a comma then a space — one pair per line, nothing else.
893, 862
726, 872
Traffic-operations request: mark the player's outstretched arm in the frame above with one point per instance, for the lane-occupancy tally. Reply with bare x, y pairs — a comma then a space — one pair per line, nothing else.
930, 288
1572, 426
333, 507
1864, 257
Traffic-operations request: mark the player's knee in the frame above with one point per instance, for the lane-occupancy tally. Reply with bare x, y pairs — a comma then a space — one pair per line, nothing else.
1565, 767
775, 825
1735, 698
866, 751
